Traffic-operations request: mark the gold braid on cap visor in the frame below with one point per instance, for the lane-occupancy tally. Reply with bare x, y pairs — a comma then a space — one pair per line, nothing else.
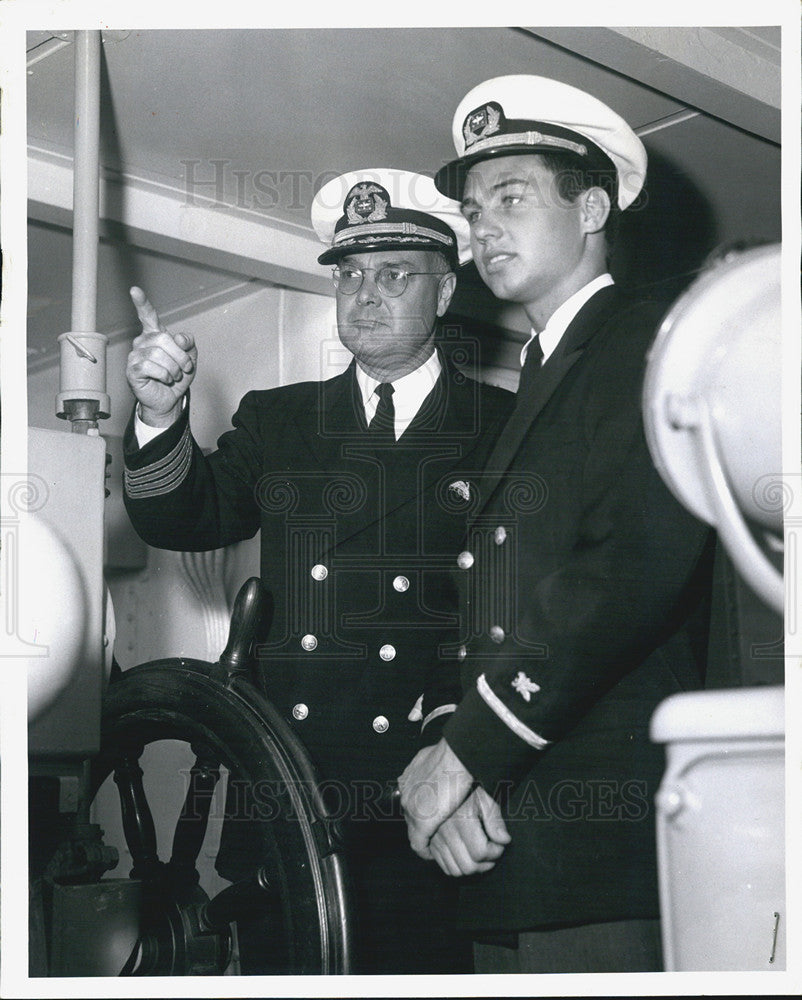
392, 230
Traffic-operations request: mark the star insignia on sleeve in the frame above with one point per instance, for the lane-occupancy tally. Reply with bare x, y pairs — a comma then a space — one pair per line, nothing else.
524, 686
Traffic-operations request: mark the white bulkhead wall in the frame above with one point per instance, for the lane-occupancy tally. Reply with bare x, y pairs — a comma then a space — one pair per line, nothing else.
178, 604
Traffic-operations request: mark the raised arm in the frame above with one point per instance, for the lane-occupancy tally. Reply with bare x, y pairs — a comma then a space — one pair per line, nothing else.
161, 366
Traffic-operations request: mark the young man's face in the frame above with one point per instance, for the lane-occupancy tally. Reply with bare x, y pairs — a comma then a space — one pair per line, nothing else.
392, 336
526, 241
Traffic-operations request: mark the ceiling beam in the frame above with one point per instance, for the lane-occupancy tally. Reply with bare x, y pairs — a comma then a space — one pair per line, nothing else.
729, 73
158, 217
163, 219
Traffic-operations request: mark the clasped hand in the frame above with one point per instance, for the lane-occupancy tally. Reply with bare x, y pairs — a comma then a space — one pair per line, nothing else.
450, 819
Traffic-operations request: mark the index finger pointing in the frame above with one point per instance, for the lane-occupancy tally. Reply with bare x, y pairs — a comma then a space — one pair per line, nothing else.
148, 316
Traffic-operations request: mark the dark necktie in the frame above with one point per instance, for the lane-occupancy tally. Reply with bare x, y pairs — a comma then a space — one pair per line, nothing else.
383, 421
532, 366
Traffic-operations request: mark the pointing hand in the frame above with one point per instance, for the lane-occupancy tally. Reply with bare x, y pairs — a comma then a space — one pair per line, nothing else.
161, 365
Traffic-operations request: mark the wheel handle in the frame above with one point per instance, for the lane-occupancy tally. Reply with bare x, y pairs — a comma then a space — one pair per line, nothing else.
245, 619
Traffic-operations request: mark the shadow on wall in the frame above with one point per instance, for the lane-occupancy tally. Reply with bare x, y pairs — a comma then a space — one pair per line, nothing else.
665, 235
662, 243
475, 318
112, 157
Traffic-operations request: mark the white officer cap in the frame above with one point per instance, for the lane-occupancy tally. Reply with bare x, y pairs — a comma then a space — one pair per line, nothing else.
385, 209
532, 114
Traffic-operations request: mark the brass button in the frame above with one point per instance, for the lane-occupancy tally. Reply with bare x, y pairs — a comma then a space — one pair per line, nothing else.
401, 584
497, 633
309, 642
465, 560
319, 572
381, 724
300, 712
387, 652
462, 652
500, 535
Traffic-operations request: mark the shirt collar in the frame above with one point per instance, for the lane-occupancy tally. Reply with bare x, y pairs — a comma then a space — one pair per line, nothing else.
409, 392
560, 319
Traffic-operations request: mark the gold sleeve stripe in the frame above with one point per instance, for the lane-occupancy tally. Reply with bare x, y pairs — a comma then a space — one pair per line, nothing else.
507, 717
440, 710
163, 476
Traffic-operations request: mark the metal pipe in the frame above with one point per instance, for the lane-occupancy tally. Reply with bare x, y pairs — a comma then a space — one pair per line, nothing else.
82, 398
85, 197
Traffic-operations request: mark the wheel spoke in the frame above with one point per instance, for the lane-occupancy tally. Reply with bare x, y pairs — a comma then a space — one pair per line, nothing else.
298, 923
140, 833
190, 829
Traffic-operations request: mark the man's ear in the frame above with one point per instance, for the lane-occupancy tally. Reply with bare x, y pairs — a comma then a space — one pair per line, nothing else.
595, 209
445, 292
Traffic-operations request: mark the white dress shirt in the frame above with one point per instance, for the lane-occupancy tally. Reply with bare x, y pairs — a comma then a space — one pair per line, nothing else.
560, 319
144, 432
409, 393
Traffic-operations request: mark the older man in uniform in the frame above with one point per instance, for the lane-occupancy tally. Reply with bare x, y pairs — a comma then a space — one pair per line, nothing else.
357, 484
585, 582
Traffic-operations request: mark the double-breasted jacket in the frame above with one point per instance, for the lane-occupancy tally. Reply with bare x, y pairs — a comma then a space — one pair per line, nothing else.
358, 535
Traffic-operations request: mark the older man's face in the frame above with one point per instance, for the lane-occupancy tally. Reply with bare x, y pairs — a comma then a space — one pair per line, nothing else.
392, 336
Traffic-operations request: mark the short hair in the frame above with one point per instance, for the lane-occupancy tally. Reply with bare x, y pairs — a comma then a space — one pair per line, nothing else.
574, 175
447, 259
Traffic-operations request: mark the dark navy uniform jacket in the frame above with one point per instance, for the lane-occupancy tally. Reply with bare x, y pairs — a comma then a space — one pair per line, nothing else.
585, 588
357, 552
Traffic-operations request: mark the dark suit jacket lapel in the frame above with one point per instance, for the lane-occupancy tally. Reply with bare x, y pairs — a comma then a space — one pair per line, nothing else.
451, 413
567, 353
448, 412
338, 418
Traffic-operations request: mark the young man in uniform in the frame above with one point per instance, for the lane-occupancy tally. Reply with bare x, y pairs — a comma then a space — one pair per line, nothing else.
356, 484
585, 582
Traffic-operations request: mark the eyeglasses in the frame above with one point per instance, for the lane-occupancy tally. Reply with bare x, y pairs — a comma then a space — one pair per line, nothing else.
391, 279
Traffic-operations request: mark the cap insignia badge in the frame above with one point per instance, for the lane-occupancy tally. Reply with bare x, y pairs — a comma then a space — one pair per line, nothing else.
366, 202
481, 123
